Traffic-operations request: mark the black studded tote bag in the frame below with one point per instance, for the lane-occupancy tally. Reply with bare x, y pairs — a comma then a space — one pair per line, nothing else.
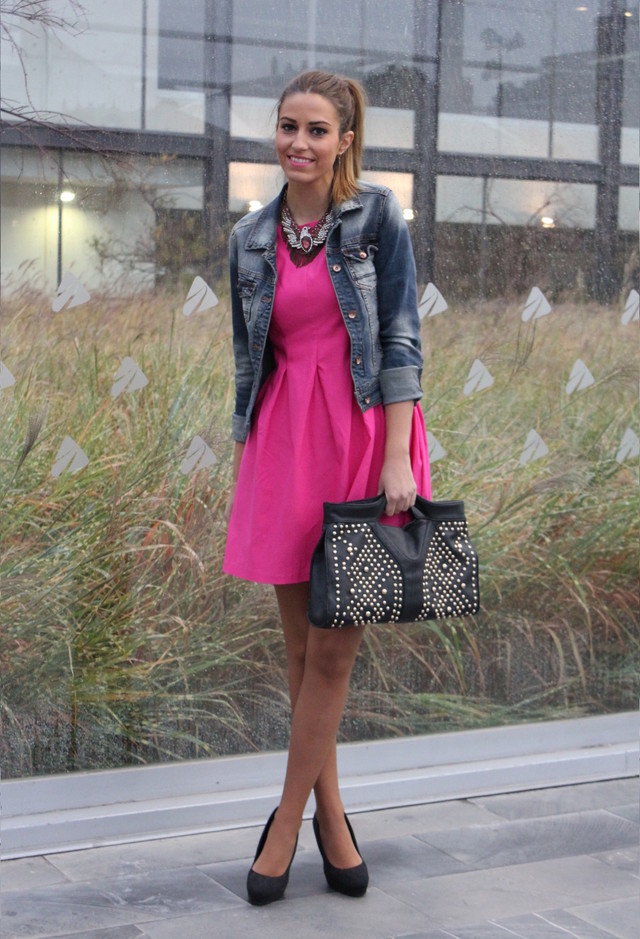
363, 571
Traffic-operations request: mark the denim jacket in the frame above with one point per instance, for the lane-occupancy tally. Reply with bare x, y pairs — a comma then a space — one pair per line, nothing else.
371, 265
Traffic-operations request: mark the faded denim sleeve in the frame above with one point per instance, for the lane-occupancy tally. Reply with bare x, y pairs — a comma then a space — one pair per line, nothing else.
397, 308
244, 369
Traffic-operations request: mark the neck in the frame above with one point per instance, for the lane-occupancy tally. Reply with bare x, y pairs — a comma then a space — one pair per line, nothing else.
307, 204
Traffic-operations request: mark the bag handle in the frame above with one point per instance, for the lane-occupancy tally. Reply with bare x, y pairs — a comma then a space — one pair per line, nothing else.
372, 509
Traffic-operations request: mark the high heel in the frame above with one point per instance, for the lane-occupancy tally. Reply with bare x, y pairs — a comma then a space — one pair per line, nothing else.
352, 881
261, 888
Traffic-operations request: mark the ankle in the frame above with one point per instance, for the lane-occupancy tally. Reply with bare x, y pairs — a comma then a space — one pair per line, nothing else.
330, 819
287, 825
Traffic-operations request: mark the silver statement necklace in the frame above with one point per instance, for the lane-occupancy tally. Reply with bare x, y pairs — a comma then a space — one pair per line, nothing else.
304, 238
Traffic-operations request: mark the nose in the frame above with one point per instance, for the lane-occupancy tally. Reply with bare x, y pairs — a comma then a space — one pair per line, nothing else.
300, 141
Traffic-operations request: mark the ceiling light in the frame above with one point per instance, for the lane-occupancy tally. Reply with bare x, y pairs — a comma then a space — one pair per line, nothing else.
547, 222
408, 214
67, 195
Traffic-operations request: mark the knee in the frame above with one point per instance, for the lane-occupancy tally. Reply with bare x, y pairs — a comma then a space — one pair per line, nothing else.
296, 653
331, 663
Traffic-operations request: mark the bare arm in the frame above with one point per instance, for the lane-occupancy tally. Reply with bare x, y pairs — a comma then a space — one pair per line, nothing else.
237, 457
396, 478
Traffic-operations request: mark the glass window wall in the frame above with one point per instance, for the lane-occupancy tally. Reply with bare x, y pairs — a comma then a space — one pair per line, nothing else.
104, 220
519, 79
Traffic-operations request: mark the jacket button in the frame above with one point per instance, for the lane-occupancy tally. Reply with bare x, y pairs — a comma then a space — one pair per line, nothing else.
351, 314
358, 360
363, 255
367, 400
337, 267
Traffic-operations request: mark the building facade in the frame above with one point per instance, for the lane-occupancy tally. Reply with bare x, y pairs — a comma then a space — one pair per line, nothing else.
155, 120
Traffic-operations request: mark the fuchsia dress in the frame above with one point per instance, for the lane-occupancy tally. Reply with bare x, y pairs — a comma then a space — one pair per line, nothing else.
309, 441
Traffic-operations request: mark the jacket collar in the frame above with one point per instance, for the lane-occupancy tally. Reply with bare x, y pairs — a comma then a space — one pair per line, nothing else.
262, 235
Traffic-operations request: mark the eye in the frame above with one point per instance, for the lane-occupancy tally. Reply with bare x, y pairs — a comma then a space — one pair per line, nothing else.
287, 126
318, 131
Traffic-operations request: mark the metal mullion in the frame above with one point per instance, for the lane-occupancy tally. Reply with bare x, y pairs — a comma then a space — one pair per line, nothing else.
609, 84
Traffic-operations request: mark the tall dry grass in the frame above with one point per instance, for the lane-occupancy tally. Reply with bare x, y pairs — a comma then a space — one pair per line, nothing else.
121, 639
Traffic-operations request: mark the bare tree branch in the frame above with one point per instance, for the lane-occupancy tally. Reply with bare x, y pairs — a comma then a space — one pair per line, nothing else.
42, 12
26, 17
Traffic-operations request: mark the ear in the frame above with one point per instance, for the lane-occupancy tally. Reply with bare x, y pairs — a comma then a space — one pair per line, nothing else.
345, 142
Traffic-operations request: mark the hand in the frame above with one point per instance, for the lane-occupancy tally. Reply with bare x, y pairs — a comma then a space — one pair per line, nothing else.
398, 484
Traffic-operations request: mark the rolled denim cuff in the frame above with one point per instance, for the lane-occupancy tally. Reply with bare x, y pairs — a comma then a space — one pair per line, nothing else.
400, 384
239, 429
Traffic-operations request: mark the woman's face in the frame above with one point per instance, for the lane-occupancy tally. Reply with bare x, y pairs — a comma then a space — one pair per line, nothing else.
308, 139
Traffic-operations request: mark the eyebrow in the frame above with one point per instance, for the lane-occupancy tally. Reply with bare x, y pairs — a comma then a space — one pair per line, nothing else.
283, 117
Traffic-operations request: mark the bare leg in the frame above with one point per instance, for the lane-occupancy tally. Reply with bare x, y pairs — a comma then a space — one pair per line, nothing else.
320, 663
293, 602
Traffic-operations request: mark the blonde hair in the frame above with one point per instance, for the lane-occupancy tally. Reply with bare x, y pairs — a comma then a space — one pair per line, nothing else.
348, 98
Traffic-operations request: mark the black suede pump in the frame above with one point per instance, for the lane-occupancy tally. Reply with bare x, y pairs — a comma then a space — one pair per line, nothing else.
352, 881
261, 888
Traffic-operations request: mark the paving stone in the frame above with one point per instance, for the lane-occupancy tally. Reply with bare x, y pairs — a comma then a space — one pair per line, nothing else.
28, 873
540, 926
406, 858
626, 859
118, 932
485, 931
129, 859
575, 926
481, 895
24, 918
69, 908
632, 811
620, 917
519, 842
396, 823
562, 799
374, 916
432, 934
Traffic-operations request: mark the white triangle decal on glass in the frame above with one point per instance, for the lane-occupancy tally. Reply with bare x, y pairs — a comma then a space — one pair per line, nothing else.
631, 308
629, 446
199, 456
200, 297
129, 377
435, 448
534, 448
432, 302
478, 379
536, 306
70, 293
70, 458
6, 378
580, 377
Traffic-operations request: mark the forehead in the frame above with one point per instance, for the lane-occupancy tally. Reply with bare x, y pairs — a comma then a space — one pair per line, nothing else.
309, 107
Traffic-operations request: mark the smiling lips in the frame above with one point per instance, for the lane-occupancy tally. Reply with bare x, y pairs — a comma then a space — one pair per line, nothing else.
299, 161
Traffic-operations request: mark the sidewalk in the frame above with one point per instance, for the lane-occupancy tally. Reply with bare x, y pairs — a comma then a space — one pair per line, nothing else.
549, 864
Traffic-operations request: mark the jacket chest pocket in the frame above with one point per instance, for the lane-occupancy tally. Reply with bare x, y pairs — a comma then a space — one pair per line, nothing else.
247, 287
360, 262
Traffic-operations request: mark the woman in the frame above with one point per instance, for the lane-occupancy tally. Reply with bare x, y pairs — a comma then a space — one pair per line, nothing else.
328, 364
